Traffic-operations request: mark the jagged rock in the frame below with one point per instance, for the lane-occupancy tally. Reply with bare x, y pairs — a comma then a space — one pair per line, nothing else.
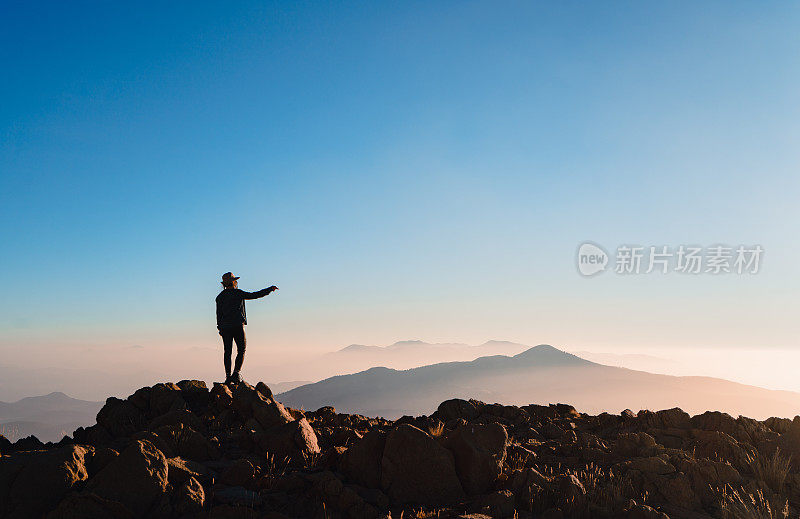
260, 405
193, 386
327, 412
457, 408
93, 435
29, 443
362, 461
715, 445
665, 419
719, 422
189, 497
163, 442
164, 398
187, 443
141, 398
416, 469
269, 413
33, 482
344, 436
295, 440
181, 470
221, 395
479, 451
5, 445
631, 445
136, 478
779, 425
102, 457
120, 417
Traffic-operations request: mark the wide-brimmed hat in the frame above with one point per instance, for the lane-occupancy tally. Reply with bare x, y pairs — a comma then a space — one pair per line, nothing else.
228, 278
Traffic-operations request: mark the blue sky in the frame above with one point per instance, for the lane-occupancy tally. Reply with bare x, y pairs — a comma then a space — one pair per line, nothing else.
400, 170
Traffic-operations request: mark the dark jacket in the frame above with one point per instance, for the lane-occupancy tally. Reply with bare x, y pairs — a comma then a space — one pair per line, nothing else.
230, 306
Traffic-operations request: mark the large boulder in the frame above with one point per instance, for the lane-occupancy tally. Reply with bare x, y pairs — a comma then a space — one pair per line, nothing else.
457, 408
221, 396
180, 470
631, 445
136, 478
721, 422
717, 445
164, 398
361, 462
295, 440
120, 417
32, 483
479, 451
416, 469
189, 498
181, 440
675, 418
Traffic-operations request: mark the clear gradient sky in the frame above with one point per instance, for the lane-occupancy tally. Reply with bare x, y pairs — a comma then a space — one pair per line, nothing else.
401, 170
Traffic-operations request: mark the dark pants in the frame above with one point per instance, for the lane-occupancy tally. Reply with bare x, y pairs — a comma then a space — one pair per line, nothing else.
229, 335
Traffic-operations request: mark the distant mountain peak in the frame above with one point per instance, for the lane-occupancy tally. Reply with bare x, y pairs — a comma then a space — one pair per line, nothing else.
546, 354
359, 347
55, 396
495, 342
414, 342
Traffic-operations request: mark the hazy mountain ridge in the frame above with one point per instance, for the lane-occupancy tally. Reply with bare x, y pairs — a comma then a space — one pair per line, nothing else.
47, 417
399, 355
541, 374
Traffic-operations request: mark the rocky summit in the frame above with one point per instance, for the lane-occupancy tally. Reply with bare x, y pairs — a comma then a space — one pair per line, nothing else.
182, 450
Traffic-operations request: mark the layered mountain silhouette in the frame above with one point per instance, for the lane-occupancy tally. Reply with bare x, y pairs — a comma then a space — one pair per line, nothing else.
400, 355
542, 374
48, 417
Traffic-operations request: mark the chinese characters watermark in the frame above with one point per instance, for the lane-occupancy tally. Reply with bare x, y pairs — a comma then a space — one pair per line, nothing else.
663, 259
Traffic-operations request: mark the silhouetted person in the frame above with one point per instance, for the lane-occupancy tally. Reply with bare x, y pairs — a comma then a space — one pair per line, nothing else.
231, 318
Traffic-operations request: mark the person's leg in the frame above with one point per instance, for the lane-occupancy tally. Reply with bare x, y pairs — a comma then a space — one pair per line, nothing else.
227, 343
241, 343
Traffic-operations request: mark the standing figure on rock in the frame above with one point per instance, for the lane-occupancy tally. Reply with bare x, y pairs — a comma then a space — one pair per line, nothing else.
231, 318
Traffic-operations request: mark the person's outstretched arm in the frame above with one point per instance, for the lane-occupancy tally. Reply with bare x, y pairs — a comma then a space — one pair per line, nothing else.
259, 293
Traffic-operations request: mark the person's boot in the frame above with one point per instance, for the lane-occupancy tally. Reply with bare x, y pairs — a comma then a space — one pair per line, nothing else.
227, 380
236, 377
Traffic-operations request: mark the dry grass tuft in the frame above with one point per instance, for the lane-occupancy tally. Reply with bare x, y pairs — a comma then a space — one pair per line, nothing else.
740, 504
436, 430
772, 470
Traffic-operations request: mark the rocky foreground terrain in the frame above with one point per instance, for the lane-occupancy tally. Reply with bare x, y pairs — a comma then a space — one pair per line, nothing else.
182, 450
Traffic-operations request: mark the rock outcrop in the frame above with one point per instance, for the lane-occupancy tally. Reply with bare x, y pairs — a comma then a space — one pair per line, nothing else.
182, 450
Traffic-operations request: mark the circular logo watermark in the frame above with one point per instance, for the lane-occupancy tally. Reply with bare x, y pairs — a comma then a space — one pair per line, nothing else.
592, 259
